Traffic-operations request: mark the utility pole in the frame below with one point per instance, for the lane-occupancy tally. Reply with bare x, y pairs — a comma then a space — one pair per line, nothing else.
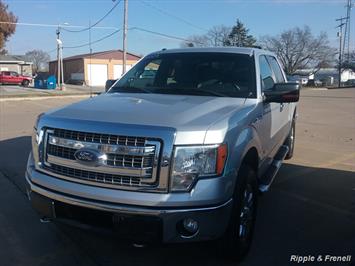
340, 33
346, 42
61, 67
125, 22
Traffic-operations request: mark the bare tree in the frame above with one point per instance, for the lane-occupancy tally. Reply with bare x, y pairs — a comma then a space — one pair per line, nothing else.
215, 37
39, 59
218, 35
297, 49
6, 30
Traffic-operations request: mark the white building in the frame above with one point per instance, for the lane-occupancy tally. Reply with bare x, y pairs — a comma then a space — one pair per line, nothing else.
328, 76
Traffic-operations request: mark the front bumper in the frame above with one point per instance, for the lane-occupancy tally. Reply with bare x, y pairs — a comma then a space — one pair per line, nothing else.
212, 220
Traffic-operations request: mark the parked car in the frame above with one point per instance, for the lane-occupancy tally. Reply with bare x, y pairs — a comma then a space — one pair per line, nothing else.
314, 83
180, 154
350, 82
300, 79
11, 77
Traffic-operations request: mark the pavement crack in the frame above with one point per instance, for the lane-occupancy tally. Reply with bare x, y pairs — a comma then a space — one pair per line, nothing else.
17, 186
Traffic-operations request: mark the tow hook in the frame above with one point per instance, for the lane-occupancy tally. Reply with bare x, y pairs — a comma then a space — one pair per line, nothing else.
45, 220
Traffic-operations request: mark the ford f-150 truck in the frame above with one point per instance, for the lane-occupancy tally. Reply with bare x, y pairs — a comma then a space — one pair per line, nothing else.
11, 77
177, 150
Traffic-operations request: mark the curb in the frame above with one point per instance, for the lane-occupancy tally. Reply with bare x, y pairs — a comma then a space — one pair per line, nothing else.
33, 98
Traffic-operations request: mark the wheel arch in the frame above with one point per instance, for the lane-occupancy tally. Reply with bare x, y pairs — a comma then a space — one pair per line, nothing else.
247, 149
251, 158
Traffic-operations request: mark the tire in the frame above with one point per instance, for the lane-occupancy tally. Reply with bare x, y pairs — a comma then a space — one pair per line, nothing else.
237, 240
290, 141
25, 83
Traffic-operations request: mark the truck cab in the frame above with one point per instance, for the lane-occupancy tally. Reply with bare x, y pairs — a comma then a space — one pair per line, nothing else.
178, 148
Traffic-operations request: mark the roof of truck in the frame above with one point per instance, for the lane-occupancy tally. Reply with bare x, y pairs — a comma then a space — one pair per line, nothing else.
236, 50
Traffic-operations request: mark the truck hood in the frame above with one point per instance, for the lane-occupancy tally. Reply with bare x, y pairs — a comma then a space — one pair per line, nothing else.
187, 114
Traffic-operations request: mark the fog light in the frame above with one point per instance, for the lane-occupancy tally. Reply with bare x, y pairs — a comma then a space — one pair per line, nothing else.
190, 225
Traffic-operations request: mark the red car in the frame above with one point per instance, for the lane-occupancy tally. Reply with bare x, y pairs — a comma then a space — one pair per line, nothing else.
11, 77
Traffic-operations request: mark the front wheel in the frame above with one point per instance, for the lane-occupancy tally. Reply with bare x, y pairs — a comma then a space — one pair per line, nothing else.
25, 83
237, 240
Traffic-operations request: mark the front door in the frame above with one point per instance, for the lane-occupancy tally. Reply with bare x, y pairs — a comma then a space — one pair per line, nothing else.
15, 78
271, 123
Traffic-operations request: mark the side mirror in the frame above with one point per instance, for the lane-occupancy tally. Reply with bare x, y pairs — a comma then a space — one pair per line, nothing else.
109, 84
283, 93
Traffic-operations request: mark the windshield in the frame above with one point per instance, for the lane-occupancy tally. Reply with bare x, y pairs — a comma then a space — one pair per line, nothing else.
208, 74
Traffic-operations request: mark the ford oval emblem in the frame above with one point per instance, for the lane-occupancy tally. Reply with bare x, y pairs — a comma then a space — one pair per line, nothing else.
88, 156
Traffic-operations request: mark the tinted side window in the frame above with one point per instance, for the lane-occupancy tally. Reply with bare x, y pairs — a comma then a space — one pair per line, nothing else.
266, 76
276, 68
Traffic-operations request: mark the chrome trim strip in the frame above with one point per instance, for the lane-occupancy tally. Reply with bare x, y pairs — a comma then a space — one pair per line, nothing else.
104, 148
155, 165
114, 207
117, 186
106, 169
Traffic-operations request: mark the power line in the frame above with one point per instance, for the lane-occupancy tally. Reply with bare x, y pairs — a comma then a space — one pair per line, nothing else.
96, 41
161, 34
50, 25
132, 28
171, 15
97, 22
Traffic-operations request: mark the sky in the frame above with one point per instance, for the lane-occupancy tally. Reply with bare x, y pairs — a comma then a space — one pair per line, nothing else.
180, 18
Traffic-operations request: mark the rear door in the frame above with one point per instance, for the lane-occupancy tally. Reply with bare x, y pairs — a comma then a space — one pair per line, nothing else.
6, 78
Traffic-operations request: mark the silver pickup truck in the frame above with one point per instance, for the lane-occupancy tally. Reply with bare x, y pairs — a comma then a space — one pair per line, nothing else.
177, 150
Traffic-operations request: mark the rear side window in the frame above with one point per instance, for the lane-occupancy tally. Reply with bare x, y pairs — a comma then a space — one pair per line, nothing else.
276, 68
266, 75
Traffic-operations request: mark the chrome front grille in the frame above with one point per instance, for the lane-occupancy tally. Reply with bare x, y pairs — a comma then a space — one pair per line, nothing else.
128, 161
98, 138
95, 177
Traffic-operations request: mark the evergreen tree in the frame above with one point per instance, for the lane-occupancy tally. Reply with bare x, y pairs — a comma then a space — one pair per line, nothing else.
239, 36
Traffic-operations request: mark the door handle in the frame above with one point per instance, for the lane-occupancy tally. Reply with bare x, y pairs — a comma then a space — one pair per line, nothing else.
281, 107
257, 119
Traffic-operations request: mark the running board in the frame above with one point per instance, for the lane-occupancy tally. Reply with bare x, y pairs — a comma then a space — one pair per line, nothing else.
270, 174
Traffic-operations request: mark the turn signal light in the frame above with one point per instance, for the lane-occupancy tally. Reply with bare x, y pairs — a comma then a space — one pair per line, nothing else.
222, 153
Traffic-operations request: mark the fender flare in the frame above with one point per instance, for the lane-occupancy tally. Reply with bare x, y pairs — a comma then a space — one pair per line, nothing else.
247, 139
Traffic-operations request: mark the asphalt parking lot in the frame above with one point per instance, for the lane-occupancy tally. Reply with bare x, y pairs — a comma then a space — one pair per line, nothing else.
11, 91
310, 209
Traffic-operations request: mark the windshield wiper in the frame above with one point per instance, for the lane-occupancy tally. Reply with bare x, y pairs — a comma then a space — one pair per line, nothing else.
129, 90
189, 92
213, 93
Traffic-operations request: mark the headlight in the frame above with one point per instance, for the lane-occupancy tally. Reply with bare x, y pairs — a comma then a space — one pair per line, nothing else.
191, 162
37, 138
37, 120
38, 133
